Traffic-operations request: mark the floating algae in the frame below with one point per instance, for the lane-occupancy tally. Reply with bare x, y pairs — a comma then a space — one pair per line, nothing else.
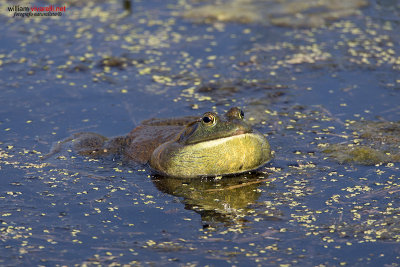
373, 143
360, 154
287, 13
384, 226
382, 132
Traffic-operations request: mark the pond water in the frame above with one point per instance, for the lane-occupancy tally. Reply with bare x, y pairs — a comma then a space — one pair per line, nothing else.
321, 81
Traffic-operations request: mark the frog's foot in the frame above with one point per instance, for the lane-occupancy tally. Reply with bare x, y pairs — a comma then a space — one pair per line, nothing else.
84, 143
89, 144
56, 148
96, 145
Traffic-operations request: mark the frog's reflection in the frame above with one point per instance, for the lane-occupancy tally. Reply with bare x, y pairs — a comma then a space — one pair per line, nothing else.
225, 200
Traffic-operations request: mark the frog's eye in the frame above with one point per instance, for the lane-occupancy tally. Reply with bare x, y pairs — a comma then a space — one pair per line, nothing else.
241, 114
208, 119
235, 113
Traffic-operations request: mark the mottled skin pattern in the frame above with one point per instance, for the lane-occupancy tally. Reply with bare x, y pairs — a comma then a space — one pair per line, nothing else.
185, 147
145, 138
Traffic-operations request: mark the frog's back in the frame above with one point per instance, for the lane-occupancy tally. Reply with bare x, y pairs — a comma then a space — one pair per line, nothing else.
152, 133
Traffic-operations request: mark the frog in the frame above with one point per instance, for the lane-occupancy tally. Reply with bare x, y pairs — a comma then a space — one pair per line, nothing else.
185, 147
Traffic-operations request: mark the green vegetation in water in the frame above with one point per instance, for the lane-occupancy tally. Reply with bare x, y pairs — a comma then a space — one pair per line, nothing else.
359, 154
379, 131
387, 228
117, 211
373, 143
288, 13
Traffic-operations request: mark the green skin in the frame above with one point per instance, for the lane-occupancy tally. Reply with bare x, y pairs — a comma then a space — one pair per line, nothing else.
185, 147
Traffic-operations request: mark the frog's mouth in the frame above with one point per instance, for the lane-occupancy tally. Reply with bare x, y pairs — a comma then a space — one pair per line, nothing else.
227, 136
241, 131
185, 135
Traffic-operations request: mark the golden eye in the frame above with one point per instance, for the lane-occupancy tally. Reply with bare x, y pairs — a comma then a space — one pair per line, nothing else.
235, 113
208, 119
241, 114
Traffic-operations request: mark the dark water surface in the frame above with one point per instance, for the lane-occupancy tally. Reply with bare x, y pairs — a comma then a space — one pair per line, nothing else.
310, 78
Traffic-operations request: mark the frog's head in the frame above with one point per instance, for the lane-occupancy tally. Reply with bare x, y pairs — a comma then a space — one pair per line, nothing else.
213, 145
211, 127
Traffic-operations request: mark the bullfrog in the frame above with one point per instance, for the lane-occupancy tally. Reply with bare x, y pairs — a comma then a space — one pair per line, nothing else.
186, 147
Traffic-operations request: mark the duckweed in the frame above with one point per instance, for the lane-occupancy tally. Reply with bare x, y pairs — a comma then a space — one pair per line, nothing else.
326, 80
358, 154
